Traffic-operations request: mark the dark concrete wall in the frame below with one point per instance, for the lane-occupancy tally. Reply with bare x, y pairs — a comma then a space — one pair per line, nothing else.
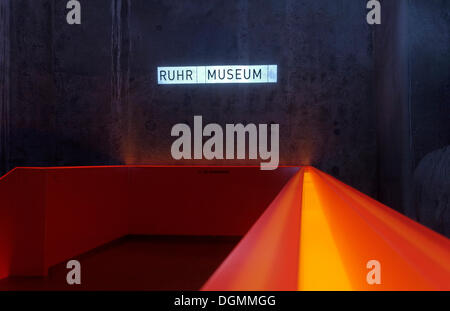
322, 100
394, 156
412, 68
364, 103
429, 80
429, 59
32, 105
88, 94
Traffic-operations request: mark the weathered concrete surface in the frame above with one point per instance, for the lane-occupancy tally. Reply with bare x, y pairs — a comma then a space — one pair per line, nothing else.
429, 59
362, 103
412, 74
84, 62
429, 83
32, 114
394, 156
429, 88
432, 190
323, 98
88, 95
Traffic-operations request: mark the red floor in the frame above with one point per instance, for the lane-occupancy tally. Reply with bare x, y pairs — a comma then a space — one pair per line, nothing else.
152, 263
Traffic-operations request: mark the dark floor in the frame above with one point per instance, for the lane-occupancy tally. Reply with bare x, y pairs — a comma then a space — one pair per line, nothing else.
138, 263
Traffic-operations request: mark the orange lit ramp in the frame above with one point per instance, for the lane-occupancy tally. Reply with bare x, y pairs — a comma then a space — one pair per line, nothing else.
320, 234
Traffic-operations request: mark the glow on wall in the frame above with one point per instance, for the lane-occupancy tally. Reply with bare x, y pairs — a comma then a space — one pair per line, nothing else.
331, 234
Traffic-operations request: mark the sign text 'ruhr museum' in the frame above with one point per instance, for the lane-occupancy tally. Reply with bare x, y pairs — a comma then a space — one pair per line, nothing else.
218, 74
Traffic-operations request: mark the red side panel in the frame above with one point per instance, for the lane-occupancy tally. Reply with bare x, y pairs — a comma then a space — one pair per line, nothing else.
267, 257
53, 214
29, 257
201, 201
22, 218
86, 208
7, 185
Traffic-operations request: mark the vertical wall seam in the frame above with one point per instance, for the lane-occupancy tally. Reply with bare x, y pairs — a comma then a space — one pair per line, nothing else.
120, 74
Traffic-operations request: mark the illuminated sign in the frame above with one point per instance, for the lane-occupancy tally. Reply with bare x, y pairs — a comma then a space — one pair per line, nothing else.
218, 74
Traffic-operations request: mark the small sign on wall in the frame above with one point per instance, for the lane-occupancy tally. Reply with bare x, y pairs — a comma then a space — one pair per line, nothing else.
218, 74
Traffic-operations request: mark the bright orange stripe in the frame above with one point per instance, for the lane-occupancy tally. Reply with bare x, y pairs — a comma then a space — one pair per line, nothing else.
424, 250
320, 264
359, 239
335, 232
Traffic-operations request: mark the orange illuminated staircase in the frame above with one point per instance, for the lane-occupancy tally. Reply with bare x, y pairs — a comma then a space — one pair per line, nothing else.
320, 234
